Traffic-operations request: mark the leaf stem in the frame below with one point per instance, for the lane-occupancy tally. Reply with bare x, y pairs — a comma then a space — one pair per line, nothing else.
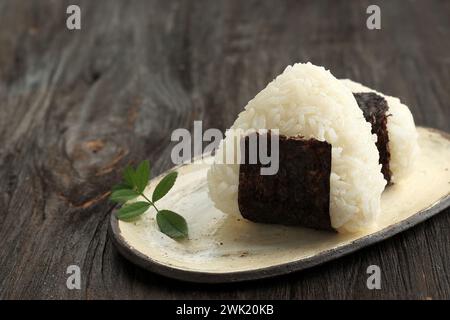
149, 201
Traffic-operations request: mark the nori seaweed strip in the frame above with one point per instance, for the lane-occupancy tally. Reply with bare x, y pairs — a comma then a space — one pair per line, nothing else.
374, 108
298, 194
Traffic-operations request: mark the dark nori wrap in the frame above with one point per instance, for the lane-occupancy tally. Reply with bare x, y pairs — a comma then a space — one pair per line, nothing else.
374, 108
298, 194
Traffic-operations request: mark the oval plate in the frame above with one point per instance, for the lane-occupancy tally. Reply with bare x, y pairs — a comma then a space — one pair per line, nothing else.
225, 249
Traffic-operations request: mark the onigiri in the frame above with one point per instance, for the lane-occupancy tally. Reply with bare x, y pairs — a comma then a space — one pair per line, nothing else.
307, 101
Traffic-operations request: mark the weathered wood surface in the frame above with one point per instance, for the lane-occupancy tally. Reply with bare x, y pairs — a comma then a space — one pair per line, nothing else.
77, 106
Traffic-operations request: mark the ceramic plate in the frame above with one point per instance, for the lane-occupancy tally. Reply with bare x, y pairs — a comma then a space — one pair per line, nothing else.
227, 249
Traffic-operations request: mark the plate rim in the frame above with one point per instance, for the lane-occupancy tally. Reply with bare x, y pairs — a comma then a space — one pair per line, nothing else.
146, 262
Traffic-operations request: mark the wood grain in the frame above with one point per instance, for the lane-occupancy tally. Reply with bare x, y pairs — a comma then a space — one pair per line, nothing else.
77, 106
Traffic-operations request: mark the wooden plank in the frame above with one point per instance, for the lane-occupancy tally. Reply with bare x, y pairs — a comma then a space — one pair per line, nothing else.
77, 106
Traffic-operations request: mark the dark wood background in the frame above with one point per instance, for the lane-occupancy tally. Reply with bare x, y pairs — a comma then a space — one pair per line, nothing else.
77, 106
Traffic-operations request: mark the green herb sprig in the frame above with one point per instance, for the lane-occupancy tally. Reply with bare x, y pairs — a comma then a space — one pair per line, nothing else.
134, 183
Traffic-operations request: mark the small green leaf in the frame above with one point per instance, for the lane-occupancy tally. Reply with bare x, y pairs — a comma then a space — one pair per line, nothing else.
142, 175
130, 211
123, 195
164, 186
129, 176
172, 224
121, 186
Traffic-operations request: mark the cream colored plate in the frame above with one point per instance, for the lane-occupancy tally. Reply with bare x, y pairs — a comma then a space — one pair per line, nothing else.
223, 249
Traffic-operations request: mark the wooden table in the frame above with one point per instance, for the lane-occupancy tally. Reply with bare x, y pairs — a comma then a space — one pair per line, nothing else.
77, 106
